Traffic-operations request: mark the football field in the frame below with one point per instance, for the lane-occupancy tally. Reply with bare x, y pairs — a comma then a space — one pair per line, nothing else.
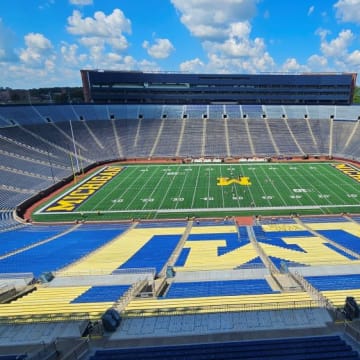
207, 190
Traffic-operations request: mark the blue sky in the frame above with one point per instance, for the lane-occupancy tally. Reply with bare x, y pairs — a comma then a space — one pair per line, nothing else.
46, 42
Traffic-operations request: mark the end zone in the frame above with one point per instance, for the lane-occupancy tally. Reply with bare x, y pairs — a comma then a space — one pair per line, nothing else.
77, 195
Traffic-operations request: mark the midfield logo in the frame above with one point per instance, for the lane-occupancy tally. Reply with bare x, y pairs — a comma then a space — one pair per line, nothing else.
241, 180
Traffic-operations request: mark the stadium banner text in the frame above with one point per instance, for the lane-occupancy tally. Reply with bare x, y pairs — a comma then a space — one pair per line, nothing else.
72, 200
349, 171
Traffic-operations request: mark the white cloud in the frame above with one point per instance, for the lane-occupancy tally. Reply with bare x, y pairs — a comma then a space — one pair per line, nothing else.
208, 19
100, 25
317, 62
81, 2
38, 48
194, 65
291, 65
101, 29
161, 49
338, 46
224, 29
238, 43
354, 59
348, 10
311, 10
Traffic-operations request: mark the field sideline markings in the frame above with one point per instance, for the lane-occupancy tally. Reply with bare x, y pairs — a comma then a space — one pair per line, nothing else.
303, 207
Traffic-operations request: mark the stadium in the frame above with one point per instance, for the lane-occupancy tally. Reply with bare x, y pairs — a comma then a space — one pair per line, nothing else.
179, 216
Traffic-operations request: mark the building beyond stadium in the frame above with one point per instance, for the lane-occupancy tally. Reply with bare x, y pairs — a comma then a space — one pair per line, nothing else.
136, 87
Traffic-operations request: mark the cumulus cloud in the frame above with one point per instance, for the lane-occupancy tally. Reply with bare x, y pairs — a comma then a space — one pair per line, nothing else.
38, 48
354, 58
317, 62
311, 10
348, 10
338, 46
101, 29
208, 19
161, 49
238, 43
224, 29
81, 2
194, 65
291, 65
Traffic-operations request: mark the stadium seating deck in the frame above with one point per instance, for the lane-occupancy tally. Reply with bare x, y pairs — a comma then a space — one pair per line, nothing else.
54, 301
326, 347
55, 253
197, 305
218, 288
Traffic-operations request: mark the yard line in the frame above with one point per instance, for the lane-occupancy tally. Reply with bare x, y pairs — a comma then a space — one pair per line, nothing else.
299, 186
329, 189
155, 188
128, 174
182, 188
352, 183
195, 186
222, 188
168, 188
142, 187
274, 187
262, 189
208, 188
285, 184
246, 187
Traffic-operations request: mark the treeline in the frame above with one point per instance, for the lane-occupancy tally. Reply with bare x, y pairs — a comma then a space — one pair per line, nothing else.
56, 95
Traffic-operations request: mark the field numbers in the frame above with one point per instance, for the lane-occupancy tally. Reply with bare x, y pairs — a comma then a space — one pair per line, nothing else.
177, 199
144, 170
173, 173
323, 196
146, 200
267, 197
300, 190
352, 196
237, 198
208, 198
295, 196
115, 201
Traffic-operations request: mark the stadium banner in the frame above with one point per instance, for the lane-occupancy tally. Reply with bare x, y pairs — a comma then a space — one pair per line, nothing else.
71, 200
349, 171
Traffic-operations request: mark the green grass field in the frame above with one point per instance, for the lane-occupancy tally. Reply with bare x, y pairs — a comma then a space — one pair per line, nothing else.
178, 191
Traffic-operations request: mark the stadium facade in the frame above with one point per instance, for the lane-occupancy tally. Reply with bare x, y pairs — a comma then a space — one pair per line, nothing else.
102, 86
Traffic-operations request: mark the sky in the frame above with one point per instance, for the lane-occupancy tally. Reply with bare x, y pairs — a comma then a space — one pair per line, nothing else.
45, 43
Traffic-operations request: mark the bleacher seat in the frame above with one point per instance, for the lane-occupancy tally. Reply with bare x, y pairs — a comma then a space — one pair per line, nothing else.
325, 348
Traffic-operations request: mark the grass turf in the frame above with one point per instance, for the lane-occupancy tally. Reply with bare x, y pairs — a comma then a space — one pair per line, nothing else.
178, 191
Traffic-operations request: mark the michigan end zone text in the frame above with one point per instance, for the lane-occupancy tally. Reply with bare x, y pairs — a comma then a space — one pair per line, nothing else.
70, 201
349, 171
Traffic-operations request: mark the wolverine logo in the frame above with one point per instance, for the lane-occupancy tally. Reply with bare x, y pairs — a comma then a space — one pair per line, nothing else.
241, 180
